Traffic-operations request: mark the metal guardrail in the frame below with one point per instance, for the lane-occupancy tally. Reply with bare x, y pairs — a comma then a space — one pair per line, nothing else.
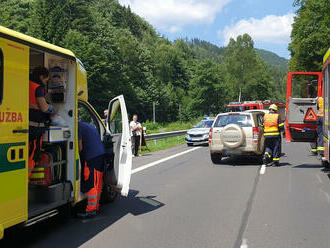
156, 136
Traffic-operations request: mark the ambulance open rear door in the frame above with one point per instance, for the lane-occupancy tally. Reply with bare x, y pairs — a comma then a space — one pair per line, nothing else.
118, 125
303, 89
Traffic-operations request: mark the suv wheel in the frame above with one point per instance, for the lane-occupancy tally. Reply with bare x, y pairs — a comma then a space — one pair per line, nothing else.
216, 158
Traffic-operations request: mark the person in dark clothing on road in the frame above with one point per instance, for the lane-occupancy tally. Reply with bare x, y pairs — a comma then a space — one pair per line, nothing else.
92, 155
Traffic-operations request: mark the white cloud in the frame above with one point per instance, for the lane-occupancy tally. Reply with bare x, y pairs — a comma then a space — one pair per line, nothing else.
173, 15
271, 28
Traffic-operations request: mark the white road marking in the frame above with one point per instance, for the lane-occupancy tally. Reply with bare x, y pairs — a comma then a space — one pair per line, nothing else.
143, 167
263, 169
326, 195
319, 178
244, 244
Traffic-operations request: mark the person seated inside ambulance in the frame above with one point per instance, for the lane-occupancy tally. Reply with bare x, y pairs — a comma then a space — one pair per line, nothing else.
38, 110
92, 157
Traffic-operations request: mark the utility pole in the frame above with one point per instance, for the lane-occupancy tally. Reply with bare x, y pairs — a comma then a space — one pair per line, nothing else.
154, 111
240, 94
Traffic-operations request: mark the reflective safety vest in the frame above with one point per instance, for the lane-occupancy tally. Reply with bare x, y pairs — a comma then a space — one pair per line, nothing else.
36, 116
320, 105
271, 123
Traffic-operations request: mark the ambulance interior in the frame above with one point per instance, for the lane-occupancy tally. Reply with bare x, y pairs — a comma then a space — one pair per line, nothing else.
303, 106
50, 183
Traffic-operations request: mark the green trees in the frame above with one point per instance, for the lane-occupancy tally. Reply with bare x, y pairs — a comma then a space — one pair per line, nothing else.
310, 35
123, 54
249, 76
14, 14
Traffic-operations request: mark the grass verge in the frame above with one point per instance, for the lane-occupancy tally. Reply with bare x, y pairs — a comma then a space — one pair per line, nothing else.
169, 127
161, 144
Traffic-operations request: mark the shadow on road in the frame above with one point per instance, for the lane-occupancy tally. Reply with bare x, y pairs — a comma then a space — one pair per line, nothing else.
307, 166
241, 161
68, 232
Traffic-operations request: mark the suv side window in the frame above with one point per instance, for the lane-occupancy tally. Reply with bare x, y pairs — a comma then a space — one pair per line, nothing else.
1, 76
260, 119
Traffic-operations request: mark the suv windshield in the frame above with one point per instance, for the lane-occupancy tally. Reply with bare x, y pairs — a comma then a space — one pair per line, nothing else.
204, 124
241, 120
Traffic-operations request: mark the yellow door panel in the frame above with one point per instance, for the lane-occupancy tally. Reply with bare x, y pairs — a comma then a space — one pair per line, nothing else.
13, 132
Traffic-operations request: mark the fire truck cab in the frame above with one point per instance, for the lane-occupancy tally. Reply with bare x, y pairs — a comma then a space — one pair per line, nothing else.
252, 105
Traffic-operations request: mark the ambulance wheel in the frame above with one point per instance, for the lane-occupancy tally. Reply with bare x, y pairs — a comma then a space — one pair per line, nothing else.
108, 194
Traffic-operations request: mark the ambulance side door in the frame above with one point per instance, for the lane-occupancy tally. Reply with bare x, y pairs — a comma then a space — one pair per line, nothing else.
118, 126
14, 104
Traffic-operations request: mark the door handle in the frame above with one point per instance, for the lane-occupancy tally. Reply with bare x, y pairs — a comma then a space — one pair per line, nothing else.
21, 131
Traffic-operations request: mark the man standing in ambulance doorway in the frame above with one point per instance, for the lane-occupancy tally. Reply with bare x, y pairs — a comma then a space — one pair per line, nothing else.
92, 154
272, 132
38, 108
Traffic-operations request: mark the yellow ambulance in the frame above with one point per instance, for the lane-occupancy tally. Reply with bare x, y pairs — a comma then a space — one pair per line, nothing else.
26, 201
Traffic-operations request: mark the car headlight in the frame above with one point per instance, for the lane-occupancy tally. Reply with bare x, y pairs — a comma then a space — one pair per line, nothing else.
206, 136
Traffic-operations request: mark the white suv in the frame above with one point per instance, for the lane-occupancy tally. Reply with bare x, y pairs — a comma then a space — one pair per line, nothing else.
237, 133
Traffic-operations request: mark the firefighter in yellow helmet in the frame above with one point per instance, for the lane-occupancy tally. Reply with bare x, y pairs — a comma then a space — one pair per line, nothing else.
272, 131
320, 112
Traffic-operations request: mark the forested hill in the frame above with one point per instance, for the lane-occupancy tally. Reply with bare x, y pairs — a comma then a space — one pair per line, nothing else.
123, 54
273, 59
207, 50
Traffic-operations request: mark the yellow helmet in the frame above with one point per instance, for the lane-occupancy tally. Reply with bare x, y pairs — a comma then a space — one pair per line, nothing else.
273, 107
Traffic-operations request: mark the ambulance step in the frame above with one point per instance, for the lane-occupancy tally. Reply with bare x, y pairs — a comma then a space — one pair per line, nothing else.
41, 217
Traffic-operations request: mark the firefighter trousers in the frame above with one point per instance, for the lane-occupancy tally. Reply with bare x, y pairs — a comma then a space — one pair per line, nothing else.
320, 145
272, 151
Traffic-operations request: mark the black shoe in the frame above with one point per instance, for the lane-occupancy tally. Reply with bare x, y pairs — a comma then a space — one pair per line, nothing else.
87, 215
264, 161
269, 164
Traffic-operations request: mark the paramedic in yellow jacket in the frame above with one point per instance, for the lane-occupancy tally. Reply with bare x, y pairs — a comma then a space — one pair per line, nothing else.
272, 131
320, 112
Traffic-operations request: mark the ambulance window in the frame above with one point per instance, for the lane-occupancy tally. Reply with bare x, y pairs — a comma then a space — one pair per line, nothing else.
1, 76
86, 115
116, 121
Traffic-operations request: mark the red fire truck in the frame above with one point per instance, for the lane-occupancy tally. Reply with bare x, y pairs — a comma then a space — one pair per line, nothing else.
303, 89
250, 105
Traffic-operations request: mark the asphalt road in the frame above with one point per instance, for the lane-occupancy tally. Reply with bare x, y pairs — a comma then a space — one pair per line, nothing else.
187, 201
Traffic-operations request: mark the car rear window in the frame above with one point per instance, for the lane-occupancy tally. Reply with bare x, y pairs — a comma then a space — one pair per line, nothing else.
241, 120
204, 124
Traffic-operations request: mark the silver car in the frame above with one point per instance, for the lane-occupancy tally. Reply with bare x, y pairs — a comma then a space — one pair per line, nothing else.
200, 133
237, 133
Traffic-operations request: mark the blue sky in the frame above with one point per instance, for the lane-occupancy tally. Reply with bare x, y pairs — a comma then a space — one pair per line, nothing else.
267, 21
